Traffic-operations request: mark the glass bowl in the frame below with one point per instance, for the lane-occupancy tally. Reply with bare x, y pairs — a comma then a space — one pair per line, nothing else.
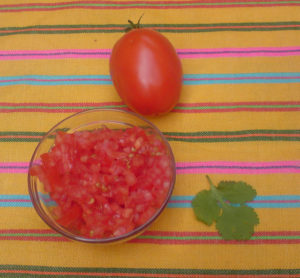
91, 120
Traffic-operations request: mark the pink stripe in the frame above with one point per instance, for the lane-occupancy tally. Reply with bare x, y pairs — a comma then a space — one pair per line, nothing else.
209, 170
26, 231
210, 104
255, 201
54, 54
194, 164
239, 52
276, 201
200, 111
12, 167
14, 164
216, 241
217, 167
34, 238
237, 163
91, 104
183, 53
13, 171
241, 78
135, 2
227, 167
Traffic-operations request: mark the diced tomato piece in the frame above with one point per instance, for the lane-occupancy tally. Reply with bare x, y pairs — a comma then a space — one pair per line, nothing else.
105, 182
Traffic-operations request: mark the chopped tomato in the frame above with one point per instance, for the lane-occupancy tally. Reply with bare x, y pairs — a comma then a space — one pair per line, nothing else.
105, 182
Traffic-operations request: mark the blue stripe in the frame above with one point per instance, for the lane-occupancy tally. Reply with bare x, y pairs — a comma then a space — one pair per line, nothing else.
16, 204
13, 167
15, 197
240, 167
47, 80
174, 198
251, 74
172, 205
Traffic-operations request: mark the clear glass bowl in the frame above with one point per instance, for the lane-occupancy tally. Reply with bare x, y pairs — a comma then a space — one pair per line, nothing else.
90, 120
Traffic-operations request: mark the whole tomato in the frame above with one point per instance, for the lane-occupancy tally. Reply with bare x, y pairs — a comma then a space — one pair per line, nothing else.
146, 72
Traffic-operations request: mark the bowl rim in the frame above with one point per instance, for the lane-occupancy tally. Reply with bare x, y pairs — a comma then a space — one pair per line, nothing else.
124, 237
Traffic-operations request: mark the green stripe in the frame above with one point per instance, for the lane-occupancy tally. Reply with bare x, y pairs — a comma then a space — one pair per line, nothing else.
29, 235
150, 270
213, 237
254, 24
183, 238
177, 28
199, 136
236, 106
177, 107
182, 136
239, 132
4, 140
25, 133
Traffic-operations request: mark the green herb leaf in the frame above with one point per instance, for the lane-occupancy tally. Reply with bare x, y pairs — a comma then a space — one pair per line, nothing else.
237, 223
206, 207
225, 206
236, 192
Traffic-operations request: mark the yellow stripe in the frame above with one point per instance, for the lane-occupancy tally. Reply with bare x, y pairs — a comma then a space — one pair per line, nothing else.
227, 121
190, 66
234, 151
151, 16
139, 255
194, 94
27, 218
186, 184
72, 93
13, 183
274, 184
186, 123
168, 219
202, 40
24, 218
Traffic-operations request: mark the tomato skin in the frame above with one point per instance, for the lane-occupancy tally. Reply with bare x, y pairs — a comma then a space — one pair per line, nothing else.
146, 72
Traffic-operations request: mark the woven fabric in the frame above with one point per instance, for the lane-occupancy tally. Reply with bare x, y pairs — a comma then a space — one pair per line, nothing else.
237, 119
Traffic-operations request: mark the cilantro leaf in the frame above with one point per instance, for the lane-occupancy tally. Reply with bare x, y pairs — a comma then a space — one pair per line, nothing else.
225, 205
236, 192
237, 222
206, 207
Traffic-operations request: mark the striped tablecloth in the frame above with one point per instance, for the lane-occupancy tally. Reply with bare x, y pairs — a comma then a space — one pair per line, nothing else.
238, 118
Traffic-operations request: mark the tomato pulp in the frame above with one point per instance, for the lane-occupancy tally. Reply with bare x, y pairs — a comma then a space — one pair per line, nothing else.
106, 182
146, 72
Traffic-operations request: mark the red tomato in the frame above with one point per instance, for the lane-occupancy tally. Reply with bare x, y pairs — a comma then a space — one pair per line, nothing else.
146, 72
105, 182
